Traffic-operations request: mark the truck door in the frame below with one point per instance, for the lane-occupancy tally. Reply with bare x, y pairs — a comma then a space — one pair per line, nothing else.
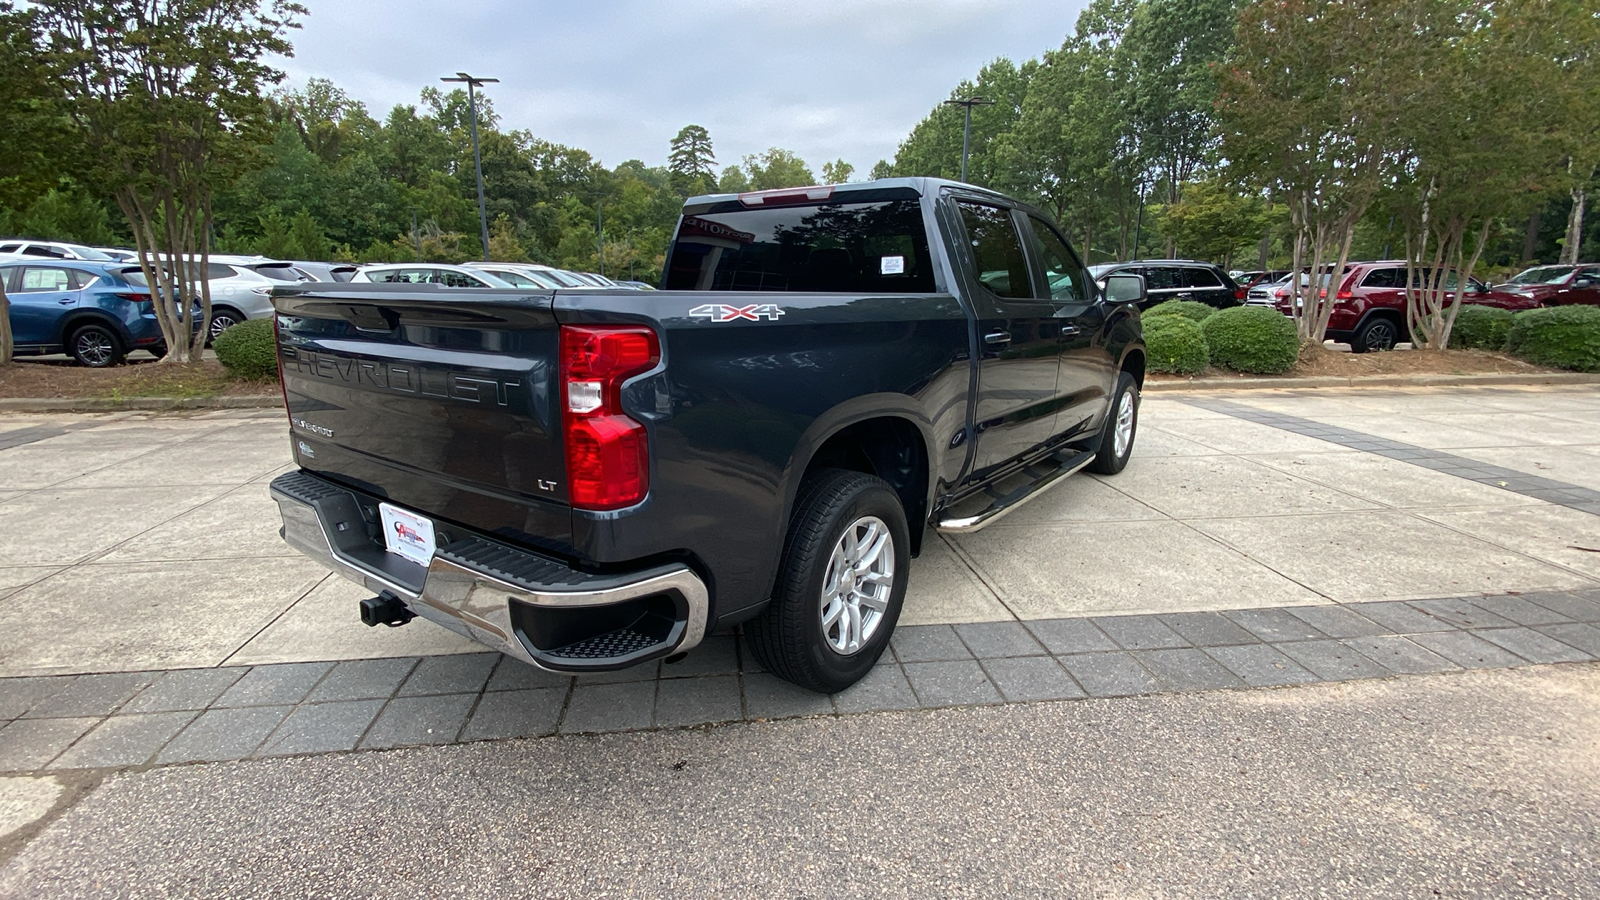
1087, 373
1019, 340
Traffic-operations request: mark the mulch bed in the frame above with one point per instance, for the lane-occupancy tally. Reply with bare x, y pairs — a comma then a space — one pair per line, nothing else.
140, 377
1320, 361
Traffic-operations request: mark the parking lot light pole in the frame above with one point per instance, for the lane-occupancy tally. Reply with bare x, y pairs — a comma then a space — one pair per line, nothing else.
966, 131
477, 159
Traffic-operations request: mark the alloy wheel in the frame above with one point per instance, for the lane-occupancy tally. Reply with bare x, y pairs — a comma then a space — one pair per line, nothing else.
857, 586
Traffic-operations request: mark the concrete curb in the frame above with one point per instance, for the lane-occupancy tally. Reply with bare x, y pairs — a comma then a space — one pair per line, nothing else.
1243, 383
103, 404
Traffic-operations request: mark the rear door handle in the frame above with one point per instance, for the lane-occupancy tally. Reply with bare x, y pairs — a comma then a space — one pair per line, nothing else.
1069, 330
997, 338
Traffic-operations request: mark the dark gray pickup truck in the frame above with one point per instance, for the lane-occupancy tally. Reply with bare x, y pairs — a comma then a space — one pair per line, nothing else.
588, 480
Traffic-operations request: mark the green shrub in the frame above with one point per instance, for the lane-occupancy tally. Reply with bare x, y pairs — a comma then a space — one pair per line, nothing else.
1175, 344
248, 350
1253, 339
1193, 310
1481, 328
1566, 337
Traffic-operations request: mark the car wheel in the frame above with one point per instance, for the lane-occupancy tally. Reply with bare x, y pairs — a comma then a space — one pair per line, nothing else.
841, 581
1376, 335
1122, 425
95, 346
221, 320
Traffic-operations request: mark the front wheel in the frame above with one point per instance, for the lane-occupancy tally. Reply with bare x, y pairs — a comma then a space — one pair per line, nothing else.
840, 586
1122, 425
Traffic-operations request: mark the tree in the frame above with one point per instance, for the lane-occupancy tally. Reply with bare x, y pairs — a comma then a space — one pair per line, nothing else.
837, 172
692, 163
733, 181
1213, 221
166, 96
777, 168
934, 146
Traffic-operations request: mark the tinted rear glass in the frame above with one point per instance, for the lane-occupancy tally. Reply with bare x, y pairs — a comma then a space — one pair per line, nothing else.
279, 273
879, 248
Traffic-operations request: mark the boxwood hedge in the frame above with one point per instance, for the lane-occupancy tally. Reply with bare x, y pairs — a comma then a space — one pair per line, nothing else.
1566, 337
1481, 328
1193, 310
248, 349
1175, 344
1252, 339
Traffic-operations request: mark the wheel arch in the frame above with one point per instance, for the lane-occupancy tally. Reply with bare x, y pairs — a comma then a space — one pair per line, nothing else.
78, 318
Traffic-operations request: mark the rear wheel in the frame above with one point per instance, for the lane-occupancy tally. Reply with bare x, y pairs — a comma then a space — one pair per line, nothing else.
840, 586
1376, 334
95, 346
1122, 424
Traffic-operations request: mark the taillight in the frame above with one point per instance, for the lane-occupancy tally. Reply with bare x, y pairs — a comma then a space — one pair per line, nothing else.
1281, 293
1240, 294
135, 298
1345, 295
608, 454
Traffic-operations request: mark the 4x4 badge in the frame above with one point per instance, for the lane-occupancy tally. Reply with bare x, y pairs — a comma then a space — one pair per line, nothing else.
722, 312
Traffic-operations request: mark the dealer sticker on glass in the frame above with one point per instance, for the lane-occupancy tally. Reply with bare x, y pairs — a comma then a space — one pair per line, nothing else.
892, 265
407, 534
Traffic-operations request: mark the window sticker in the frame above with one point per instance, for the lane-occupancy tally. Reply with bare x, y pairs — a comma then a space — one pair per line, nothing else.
892, 265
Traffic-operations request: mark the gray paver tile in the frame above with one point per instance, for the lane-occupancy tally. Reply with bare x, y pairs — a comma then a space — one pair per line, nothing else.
322, 728
716, 655
1467, 650
1532, 646
1520, 611
1208, 629
1024, 678
123, 741
509, 714
27, 744
1188, 670
647, 672
92, 695
363, 679
1063, 636
1575, 634
221, 734
1397, 654
770, 697
1400, 617
698, 701
275, 685
958, 682
18, 695
1273, 625
610, 707
885, 687
1461, 612
992, 640
1139, 632
1577, 606
184, 689
1337, 621
1113, 674
516, 675
1332, 661
927, 643
463, 673
1261, 665
427, 719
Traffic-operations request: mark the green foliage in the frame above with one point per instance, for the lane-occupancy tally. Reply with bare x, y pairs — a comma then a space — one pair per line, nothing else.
66, 214
1192, 310
1176, 344
1481, 328
837, 172
777, 168
1252, 339
1214, 222
692, 162
934, 146
248, 350
1566, 337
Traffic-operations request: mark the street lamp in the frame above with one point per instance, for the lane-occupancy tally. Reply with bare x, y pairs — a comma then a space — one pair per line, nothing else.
966, 133
477, 160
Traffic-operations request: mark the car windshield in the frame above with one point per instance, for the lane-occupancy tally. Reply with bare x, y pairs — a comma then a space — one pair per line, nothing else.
1542, 275
1096, 271
88, 253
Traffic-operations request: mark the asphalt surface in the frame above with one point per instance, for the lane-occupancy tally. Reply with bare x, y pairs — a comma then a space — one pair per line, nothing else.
1464, 785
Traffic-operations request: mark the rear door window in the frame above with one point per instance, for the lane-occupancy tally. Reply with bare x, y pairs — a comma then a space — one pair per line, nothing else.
1203, 279
1389, 279
996, 250
450, 278
1157, 278
1062, 272
45, 278
42, 250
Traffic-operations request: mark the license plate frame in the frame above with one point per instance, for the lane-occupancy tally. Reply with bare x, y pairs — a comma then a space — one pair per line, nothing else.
408, 535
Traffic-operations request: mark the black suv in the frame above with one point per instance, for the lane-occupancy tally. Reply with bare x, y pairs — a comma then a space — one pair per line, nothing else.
1177, 279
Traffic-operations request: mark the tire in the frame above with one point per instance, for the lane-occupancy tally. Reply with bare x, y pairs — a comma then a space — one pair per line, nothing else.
1376, 335
222, 318
1116, 442
95, 347
794, 638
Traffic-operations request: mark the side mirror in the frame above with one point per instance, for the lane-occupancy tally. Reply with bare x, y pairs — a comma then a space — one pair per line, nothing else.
1125, 287
1584, 282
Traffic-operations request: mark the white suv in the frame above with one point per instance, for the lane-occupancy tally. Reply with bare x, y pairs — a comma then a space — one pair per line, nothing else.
17, 247
430, 273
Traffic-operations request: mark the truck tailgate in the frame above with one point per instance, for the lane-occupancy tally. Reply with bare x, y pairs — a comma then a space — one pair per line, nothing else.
437, 401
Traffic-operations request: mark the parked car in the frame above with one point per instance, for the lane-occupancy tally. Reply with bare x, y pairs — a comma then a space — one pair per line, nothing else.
50, 250
588, 482
1558, 285
1248, 280
1369, 311
327, 271
428, 273
521, 275
119, 254
1269, 293
637, 285
1178, 279
96, 312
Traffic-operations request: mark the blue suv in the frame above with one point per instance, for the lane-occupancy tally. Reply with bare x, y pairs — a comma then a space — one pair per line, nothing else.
94, 311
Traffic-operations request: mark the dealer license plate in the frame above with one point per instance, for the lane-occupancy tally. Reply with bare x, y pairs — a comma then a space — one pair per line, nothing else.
407, 534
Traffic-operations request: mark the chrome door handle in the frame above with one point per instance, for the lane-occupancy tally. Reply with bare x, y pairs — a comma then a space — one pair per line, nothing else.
1069, 330
997, 338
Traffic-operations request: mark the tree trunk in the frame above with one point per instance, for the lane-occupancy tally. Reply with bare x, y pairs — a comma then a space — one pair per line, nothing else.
1569, 250
7, 346
1530, 238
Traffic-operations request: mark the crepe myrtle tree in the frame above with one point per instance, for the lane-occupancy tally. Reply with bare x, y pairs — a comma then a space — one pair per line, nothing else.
167, 100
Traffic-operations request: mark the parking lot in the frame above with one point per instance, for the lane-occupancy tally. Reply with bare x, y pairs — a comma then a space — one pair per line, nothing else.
150, 616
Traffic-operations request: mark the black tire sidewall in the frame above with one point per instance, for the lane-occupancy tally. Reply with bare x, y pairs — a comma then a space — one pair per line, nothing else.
1106, 460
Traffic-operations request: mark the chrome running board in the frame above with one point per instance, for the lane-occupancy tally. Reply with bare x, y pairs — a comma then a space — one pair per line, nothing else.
1035, 479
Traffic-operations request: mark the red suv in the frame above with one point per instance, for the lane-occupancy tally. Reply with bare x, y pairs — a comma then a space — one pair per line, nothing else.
1559, 285
1369, 312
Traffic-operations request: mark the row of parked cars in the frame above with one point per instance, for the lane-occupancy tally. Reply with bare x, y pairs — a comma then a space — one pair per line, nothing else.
1369, 311
93, 303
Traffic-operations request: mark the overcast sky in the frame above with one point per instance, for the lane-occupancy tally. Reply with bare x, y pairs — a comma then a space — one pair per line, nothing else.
824, 78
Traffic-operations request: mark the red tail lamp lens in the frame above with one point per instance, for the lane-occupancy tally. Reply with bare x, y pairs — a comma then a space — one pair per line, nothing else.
608, 453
